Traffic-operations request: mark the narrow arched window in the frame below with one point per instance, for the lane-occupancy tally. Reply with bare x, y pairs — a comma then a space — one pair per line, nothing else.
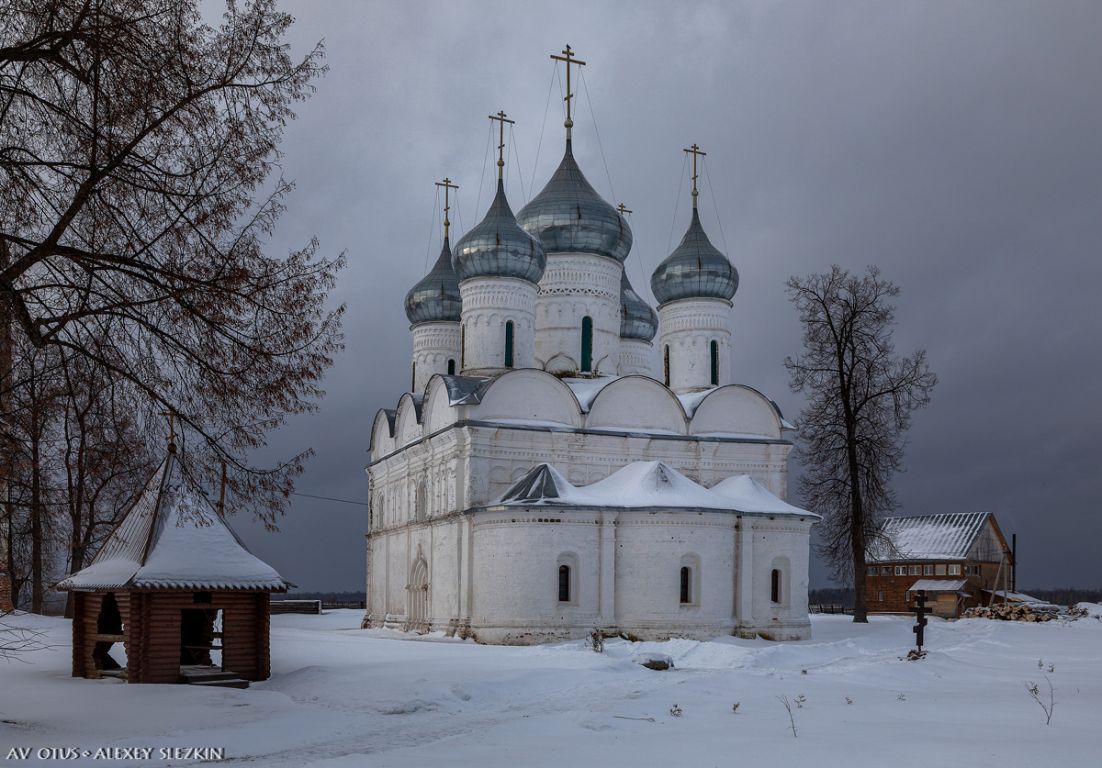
775, 586
715, 363
509, 344
587, 344
686, 585
462, 346
666, 364
564, 583
413, 377
451, 366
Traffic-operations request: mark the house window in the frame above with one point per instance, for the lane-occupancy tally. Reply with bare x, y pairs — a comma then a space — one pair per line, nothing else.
564, 583
451, 367
587, 344
886, 570
715, 362
880, 596
927, 570
686, 585
954, 569
901, 570
972, 570
914, 570
666, 364
872, 570
775, 586
509, 344
939, 569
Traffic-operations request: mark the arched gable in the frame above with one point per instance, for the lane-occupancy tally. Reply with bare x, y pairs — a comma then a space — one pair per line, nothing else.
437, 412
407, 427
637, 403
382, 433
736, 409
530, 395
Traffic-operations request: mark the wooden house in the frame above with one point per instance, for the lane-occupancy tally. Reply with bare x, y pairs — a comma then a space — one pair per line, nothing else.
173, 595
959, 560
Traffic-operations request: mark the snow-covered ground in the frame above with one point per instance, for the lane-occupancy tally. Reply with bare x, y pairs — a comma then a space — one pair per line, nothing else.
340, 696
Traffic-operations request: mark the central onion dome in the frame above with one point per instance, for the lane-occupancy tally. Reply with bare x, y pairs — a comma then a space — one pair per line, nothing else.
498, 247
637, 319
568, 215
436, 297
695, 270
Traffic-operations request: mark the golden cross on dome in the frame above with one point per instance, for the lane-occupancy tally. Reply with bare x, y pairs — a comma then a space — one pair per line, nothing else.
447, 185
623, 209
501, 119
695, 150
568, 57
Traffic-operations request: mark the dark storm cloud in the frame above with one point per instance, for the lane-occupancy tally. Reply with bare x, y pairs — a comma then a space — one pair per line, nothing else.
955, 145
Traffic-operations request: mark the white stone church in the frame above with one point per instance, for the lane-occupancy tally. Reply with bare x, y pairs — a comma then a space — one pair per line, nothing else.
544, 478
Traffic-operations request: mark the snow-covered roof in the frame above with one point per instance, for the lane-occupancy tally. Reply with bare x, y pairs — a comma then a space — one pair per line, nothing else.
928, 537
646, 485
173, 538
938, 585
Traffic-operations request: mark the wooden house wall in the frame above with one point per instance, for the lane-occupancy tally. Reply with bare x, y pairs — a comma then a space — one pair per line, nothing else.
895, 587
151, 622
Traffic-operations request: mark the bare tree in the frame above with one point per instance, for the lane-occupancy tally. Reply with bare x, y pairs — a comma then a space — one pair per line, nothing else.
136, 144
860, 398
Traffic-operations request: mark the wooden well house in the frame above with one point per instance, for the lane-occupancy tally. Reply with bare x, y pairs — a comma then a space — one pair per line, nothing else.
173, 595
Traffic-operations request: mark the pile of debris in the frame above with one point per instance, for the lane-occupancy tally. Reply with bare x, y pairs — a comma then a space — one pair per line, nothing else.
1014, 612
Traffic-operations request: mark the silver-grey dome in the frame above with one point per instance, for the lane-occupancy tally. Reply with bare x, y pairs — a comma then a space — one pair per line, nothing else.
696, 269
569, 215
498, 247
637, 319
435, 298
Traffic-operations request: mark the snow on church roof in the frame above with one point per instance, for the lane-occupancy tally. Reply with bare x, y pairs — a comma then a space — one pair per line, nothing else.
646, 484
928, 537
172, 538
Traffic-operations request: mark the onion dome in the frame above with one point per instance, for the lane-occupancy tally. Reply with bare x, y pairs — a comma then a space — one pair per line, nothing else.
569, 215
498, 247
637, 319
435, 299
695, 270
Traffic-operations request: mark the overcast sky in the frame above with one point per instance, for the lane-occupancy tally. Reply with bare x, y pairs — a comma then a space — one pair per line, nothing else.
956, 145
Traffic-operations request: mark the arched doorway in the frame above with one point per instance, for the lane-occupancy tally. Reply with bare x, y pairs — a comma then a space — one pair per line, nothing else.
417, 596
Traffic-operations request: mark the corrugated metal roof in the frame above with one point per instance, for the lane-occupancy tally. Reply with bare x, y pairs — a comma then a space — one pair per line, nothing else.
173, 538
938, 585
928, 537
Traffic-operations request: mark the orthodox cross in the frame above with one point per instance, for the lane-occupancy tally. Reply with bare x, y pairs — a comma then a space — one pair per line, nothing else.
171, 431
500, 118
568, 57
695, 151
623, 209
920, 611
447, 185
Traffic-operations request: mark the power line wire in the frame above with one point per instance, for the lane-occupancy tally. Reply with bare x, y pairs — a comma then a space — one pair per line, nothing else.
330, 498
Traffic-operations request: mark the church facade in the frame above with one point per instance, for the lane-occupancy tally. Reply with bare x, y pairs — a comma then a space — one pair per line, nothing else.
568, 459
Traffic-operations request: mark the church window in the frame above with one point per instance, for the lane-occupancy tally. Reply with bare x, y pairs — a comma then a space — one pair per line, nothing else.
587, 343
413, 376
775, 586
421, 510
686, 585
666, 364
462, 346
509, 344
564, 583
451, 366
715, 363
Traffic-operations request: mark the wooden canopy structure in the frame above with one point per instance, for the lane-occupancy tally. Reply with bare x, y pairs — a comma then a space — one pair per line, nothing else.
177, 590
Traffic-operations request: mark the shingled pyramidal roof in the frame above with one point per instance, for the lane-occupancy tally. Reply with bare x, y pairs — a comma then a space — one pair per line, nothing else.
173, 538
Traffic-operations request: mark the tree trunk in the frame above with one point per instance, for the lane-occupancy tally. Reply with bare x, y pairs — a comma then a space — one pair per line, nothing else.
37, 513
